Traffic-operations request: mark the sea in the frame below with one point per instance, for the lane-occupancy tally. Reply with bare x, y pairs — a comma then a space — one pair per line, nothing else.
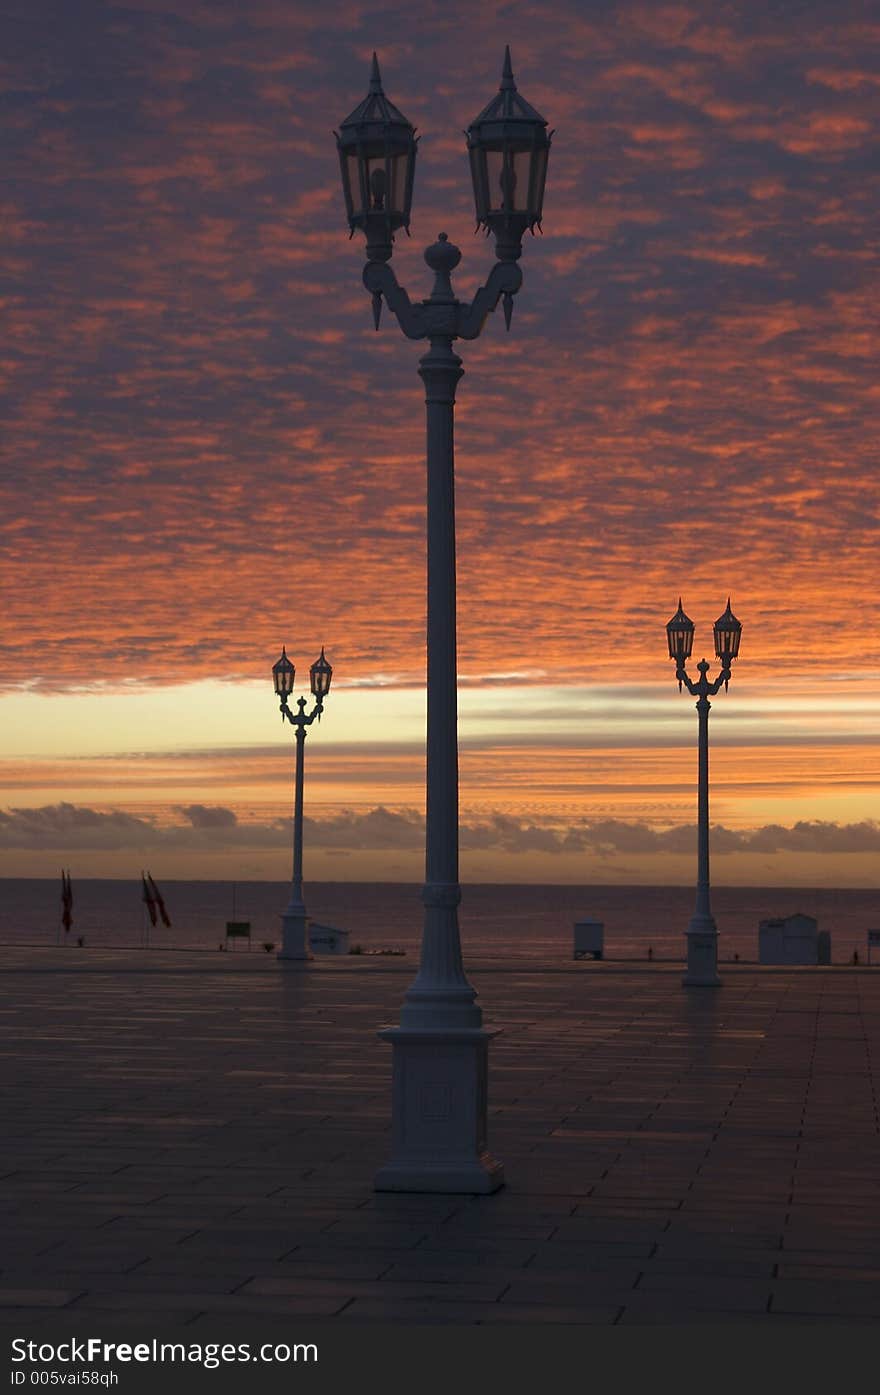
500, 922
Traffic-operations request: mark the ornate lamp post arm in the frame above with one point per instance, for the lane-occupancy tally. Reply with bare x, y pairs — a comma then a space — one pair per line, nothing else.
702, 687
301, 718
430, 317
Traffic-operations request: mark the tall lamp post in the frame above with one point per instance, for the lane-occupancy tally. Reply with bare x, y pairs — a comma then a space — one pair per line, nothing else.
702, 932
440, 1049
294, 943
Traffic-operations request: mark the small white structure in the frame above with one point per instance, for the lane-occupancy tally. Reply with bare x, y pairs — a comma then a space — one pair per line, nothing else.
326, 939
589, 938
791, 939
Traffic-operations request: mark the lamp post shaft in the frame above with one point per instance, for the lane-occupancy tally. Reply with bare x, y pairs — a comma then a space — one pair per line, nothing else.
297, 896
702, 932
703, 907
441, 996
440, 370
294, 920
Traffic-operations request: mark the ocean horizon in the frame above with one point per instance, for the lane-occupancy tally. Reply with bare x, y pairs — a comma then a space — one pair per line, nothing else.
497, 919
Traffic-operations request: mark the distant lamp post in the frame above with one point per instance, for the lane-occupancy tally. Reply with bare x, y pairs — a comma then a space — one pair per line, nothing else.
702, 932
294, 940
440, 1062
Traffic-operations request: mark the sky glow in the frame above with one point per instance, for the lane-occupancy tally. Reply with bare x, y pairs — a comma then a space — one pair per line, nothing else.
208, 452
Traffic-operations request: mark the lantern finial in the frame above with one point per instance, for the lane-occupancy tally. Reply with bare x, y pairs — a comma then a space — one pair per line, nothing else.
375, 76
507, 72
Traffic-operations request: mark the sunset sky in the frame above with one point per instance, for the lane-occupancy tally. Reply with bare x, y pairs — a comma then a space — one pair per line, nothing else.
207, 451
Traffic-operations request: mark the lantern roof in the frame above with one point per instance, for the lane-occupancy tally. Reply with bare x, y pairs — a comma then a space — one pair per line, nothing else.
728, 620
507, 106
680, 621
373, 116
283, 662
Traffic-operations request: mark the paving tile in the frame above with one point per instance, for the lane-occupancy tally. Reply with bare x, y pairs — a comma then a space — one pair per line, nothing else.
37, 1297
834, 1298
228, 1305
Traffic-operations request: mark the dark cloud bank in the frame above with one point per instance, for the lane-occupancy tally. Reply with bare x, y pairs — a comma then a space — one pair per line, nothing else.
67, 827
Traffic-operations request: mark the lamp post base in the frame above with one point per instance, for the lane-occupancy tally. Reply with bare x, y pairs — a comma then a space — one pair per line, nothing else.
702, 954
294, 935
439, 1106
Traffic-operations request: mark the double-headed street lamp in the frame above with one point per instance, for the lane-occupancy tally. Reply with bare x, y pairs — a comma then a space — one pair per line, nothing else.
702, 933
294, 941
440, 1050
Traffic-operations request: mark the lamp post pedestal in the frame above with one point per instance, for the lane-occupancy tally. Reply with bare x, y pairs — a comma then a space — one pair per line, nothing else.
294, 933
439, 1097
702, 953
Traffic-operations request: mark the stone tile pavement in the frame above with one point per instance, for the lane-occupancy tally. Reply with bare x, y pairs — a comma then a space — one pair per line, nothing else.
190, 1137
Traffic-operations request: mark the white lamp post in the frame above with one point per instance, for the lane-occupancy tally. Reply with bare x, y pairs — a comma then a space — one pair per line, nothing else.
294, 922
702, 932
440, 1049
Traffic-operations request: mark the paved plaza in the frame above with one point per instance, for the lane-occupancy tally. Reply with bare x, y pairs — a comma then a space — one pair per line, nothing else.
193, 1136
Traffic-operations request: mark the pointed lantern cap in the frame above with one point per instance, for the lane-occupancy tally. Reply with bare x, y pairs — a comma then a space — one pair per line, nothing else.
508, 144
377, 155
282, 675
680, 635
728, 631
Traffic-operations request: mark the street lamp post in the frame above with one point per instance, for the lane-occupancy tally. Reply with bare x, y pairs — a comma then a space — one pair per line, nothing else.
294, 941
702, 932
440, 1049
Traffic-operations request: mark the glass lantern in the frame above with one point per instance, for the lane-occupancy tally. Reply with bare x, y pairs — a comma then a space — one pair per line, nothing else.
728, 631
283, 675
321, 674
377, 158
680, 637
508, 146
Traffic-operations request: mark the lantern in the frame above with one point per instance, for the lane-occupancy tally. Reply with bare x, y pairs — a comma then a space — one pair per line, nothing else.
377, 157
282, 675
680, 636
321, 674
508, 146
727, 636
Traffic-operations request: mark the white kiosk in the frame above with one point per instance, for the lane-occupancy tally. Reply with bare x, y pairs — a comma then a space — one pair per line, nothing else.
791, 939
326, 939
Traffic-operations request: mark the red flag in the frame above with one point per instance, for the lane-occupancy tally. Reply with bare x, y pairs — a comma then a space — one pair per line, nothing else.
66, 901
159, 902
150, 900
